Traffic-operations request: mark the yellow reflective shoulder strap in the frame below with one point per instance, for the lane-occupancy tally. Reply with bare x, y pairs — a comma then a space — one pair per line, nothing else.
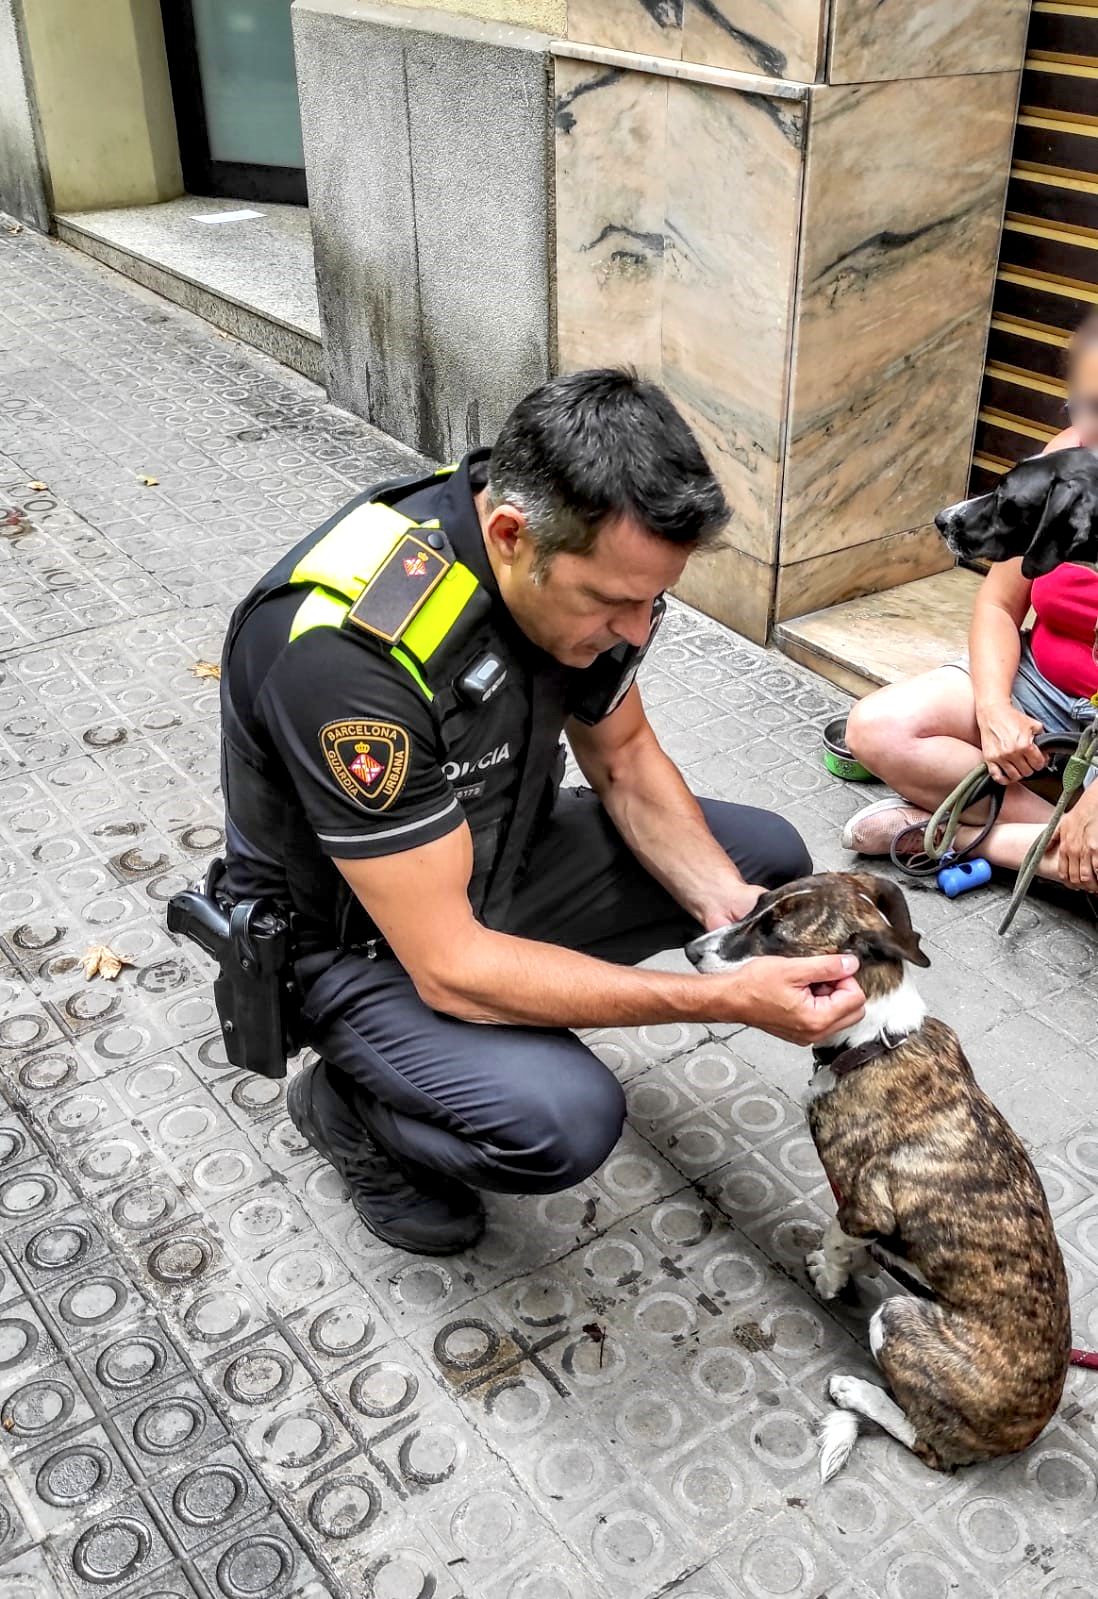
319, 608
341, 565
350, 553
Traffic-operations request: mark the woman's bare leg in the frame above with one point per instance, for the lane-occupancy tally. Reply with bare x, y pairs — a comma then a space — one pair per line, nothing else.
921, 737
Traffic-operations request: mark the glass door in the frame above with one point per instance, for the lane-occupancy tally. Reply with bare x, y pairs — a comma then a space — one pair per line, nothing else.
235, 93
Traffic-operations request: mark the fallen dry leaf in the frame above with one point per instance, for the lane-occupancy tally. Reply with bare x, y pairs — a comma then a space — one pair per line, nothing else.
100, 960
149, 482
16, 228
206, 669
38, 488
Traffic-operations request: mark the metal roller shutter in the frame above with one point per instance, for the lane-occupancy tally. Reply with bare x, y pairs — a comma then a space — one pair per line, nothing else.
1048, 263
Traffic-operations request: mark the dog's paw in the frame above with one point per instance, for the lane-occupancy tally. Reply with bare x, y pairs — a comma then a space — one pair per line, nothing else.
827, 1278
843, 1390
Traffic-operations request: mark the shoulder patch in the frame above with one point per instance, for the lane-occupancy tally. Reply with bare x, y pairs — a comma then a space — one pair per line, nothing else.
405, 579
368, 759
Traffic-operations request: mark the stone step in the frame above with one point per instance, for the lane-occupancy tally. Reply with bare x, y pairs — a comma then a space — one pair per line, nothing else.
253, 278
866, 642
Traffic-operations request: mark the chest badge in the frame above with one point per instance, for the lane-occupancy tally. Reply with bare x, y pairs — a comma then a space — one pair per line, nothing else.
368, 759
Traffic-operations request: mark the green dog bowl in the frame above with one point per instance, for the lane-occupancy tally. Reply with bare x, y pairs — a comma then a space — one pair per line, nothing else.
838, 759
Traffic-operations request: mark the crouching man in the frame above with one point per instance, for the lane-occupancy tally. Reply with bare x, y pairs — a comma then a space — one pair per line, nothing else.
394, 693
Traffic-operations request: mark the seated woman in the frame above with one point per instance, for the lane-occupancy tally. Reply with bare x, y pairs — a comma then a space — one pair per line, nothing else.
922, 736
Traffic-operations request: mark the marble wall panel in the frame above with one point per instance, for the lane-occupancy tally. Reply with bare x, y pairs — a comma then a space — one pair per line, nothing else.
903, 200
778, 38
861, 569
611, 138
650, 27
677, 207
734, 588
887, 39
733, 198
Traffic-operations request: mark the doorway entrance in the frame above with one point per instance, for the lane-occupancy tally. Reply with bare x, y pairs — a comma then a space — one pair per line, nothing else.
235, 94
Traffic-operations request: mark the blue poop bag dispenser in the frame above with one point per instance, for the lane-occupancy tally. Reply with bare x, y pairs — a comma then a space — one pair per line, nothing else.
962, 876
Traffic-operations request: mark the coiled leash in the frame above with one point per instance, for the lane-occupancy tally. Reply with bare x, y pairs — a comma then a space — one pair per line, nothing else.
941, 830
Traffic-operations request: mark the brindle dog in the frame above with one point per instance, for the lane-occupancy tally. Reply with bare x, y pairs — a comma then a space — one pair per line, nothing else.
934, 1179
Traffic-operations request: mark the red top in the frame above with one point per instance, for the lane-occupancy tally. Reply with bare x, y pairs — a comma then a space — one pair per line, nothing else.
1066, 606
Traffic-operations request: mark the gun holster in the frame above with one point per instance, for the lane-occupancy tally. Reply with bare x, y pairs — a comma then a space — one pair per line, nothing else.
254, 991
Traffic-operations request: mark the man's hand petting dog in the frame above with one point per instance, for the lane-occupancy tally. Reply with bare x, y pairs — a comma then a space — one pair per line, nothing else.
1077, 843
801, 1000
1006, 743
736, 902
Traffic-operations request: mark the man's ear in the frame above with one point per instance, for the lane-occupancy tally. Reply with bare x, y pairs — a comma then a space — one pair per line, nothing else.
1067, 526
899, 940
503, 530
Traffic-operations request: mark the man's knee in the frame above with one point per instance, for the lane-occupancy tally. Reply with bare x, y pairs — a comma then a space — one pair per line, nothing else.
569, 1127
764, 846
786, 854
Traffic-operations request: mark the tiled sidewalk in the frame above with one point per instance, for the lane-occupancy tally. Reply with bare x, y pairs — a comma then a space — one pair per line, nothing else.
213, 1382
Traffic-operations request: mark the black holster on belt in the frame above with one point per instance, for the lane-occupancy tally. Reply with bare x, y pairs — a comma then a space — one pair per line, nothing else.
256, 997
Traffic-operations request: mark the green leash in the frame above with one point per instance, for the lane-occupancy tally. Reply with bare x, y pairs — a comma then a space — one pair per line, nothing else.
1075, 773
943, 826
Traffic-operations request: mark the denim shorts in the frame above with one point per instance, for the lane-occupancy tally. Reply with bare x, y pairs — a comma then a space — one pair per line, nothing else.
1055, 709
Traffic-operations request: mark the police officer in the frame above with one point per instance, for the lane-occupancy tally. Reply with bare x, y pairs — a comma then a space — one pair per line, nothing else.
393, 697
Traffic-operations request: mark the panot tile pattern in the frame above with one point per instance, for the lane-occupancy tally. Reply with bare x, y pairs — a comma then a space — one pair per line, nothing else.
775, 38
903, 199
214, 1383
677, 216
887, 39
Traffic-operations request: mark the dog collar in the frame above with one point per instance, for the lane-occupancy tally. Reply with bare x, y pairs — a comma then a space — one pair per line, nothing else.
842, 1061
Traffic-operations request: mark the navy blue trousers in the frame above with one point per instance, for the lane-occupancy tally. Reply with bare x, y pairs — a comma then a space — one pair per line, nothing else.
517, 1109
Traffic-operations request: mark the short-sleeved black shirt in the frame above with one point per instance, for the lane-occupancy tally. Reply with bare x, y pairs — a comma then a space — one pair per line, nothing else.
365, 765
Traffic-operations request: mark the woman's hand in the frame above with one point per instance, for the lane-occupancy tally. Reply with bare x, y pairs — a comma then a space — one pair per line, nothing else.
1077, 842
1006, 741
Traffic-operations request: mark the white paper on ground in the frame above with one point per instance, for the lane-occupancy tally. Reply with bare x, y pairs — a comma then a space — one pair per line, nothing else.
225, 216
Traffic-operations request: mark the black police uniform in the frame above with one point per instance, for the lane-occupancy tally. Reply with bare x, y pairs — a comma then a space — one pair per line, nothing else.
337, 747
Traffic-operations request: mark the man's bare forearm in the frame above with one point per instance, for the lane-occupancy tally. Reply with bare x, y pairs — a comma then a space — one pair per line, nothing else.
502, 979
517, 982
649, 803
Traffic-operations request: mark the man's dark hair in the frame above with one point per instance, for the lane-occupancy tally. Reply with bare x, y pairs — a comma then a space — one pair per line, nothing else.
591, 445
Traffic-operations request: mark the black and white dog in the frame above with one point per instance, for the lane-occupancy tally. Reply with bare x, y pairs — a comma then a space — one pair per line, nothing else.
1045, 510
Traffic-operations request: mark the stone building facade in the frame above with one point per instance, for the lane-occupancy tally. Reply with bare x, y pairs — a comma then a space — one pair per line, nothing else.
787, 211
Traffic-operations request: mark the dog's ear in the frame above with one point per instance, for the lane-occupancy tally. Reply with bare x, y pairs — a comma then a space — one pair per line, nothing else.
1068, 529
900, 941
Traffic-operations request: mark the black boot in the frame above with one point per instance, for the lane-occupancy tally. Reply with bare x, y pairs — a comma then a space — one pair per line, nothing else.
405, 1206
